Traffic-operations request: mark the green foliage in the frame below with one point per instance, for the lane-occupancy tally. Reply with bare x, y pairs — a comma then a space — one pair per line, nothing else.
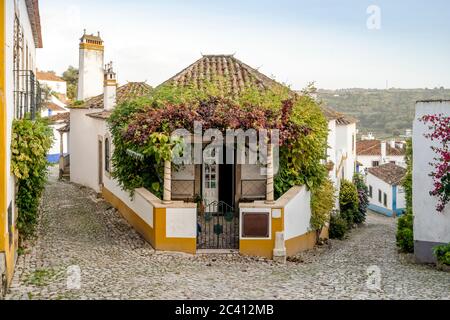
348, 202
71, 77
383, 112
30, 143
405, 236
144, 126
405, 231
322, 203
442, 253
363, 197
301, 162
338, 227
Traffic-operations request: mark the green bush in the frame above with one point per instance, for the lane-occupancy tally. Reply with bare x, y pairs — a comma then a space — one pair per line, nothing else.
30, 143
348, 202
405, 236
363, 197
322, 203
338, 227
442, 253
405, 231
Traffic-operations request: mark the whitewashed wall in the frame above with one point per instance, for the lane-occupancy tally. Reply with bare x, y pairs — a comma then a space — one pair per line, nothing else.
90, 83
55, 149
297, 214
139, 203
378, 184
84, 132
56, 86
346, 142
401, 200
366, 161
181, 222
430, 226
331, 151
10, 10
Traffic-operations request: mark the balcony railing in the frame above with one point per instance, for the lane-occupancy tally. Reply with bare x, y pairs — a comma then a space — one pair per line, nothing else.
27, 94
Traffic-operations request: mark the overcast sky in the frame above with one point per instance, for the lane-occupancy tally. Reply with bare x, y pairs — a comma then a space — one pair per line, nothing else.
326, 41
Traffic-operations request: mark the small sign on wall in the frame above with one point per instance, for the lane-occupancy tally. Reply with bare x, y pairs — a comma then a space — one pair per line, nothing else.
255, 224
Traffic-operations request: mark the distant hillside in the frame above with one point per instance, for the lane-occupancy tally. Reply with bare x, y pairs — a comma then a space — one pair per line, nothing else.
384, 112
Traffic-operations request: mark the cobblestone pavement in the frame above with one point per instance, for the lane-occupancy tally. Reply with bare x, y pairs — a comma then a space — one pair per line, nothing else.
78, 229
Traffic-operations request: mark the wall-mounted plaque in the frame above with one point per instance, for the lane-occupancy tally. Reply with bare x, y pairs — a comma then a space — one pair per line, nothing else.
255, 224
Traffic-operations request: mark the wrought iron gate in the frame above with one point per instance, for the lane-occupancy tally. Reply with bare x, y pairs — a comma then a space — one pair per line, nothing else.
218, 226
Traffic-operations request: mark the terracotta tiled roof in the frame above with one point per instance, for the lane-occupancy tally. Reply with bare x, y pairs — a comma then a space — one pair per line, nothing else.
373, 148
66, 128
48, 76
129, 91
54, 107
100, 115
341, 119
60, 117
35, 21
389, 172
235, 75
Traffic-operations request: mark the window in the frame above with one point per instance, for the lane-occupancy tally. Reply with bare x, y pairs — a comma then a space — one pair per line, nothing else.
379, 195
375, 163
392, 162
370, 192
107, 155
385, 200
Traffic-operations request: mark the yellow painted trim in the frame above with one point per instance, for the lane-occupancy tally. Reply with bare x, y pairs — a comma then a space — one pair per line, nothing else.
144, 229
263, 247
90, 46
156, 236
188, 245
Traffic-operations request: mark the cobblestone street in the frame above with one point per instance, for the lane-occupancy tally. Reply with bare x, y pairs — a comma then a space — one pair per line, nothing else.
77, 229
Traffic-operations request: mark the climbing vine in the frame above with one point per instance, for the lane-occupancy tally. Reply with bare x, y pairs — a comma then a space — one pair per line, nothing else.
144, 127
439, 125
30, 143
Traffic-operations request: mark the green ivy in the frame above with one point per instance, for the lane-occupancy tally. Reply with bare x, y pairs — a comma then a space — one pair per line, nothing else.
31, 141
300, 164
322, 203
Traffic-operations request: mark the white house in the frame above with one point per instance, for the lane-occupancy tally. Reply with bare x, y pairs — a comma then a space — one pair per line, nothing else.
431, 228
280, 227
372, 153
20, 36
58, 94
386, 195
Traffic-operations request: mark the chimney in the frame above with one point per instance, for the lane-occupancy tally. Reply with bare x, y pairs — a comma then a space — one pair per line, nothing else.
110, 88
392, 143
383, 151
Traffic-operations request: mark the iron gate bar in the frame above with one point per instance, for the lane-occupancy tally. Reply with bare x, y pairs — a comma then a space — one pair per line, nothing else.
218, 227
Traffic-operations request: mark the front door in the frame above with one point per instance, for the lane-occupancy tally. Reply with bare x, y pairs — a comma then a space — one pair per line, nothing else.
210, 183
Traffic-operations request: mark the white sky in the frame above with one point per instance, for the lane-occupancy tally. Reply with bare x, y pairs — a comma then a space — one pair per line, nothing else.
296, 42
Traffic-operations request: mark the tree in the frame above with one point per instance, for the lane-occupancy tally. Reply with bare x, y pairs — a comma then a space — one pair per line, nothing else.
71, 77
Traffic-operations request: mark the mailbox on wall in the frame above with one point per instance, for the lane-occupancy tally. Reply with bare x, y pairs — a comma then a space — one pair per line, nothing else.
255, 224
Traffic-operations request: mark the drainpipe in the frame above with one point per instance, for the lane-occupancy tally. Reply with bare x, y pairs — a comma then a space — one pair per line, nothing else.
167, 197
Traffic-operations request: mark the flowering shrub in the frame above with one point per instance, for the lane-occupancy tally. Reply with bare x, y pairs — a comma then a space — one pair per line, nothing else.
145, 126
439, 125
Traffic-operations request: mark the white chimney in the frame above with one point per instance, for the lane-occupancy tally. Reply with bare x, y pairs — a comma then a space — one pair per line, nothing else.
383, 151
110, 88
392, 143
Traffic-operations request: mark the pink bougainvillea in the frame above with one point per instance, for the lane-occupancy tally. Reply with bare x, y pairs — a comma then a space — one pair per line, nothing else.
439, 126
